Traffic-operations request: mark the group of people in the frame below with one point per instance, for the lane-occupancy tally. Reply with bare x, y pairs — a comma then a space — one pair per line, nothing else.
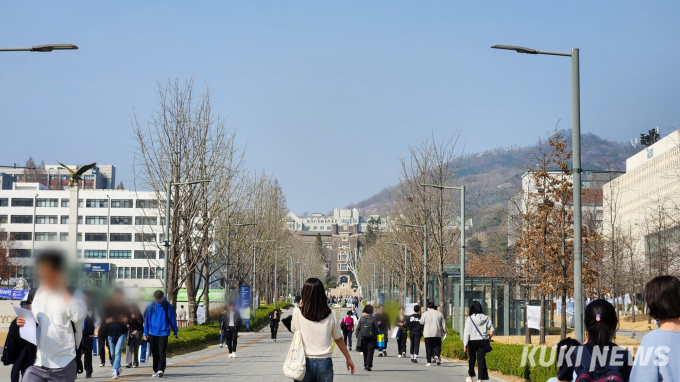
68, 324
346, 301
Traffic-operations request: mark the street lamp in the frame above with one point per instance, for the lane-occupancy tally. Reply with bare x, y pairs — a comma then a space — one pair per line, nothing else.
373, 285
424, 227
289, 274
226, 262
41, 48
254, 291
462, 245
276, 272
405, 265
576, 175
167, 225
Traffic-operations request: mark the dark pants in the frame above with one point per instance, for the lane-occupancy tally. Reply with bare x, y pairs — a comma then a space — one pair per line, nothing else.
134, 342
37, 374
368, 346
401, 341
275, 330
433, 347
415, 342
86, 351
232, 336
477, 352
103, 344
159, 346
347, 337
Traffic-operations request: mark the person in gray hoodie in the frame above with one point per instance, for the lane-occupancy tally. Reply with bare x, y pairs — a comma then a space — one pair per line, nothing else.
478, 329
434, 327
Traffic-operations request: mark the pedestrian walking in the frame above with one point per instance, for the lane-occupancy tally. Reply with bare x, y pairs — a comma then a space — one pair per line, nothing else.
297, 300
384, 326
59, 311
416, 332
319, 328
347, 326
274, 320
136, 330
401, 323
88, 336
367, 328
117, 316
230, 322
102, 340
478, 330
159, 321
662, 295
434, 328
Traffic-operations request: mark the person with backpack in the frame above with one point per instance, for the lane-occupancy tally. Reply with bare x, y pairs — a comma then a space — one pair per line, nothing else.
274, 320
367, 328
401, 322
384, 326
319, 328
117, 317
416, 332
347, 327
159, 321
230, 322
478, 331
59, 312
434, 328
662, 295
599, 359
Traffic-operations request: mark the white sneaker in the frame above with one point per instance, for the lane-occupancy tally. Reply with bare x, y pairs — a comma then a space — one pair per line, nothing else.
399, 356
428, 364
233, 355
154, 375
115, 375
160, 374
230, 355
221, 346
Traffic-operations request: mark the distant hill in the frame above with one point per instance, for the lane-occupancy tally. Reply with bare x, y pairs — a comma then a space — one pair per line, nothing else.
495, 170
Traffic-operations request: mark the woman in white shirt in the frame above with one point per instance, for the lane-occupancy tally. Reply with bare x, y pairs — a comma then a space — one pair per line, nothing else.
319, 328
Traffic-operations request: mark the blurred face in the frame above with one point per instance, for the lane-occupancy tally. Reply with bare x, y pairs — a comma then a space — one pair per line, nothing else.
401, 312
231, 308
50, 277
381, 309
159, 300
117, 298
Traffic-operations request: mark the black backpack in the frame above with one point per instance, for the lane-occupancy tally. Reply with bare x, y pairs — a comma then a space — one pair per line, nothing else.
605, 373
367, 329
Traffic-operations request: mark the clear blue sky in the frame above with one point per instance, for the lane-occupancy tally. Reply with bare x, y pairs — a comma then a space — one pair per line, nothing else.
326, 95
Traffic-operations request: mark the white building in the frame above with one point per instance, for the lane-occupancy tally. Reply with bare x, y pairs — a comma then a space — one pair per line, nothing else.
121, 228
319, 222
56, 177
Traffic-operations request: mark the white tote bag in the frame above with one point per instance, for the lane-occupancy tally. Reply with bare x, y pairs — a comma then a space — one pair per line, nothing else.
295, 365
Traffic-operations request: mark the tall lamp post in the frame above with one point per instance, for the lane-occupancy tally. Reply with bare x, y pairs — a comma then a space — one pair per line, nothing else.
424, 227
226, 262
41, 48
276, 273
405, 265
373, 285
576, 175
462, 246
166, 256
254, 291
289, 274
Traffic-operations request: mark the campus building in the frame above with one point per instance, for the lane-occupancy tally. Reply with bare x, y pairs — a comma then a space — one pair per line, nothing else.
56, 177
116, 230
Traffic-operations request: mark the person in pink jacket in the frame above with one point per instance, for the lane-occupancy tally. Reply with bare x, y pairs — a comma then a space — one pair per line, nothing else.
347, 326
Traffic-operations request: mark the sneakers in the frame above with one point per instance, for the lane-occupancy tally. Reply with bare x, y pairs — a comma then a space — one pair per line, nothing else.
221, 346
115, 375
101, 365
368, 368
468, 379
128, 365
160, 373
233, 355
428, 364
415, 360
88, 375
120, 370
350, 348
399, 356
380, 354
385, 353
438, 360
154, 375
403, 354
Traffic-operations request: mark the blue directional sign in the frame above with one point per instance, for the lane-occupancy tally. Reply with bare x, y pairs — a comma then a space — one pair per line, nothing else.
13, 294
96, 267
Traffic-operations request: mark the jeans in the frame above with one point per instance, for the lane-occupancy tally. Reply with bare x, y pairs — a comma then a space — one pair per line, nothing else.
433, 347
477, 352
159, 346
116, 347
319, 370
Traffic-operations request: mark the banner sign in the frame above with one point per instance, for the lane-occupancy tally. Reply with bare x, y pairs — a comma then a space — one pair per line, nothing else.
13, 294
96, 267
244, 304
381, 298
534, 317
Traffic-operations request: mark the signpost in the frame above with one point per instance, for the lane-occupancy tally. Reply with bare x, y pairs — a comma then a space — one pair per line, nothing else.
96, 267
244, 305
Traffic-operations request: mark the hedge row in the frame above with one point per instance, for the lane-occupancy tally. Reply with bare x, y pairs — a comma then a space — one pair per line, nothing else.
200, 335
504, 358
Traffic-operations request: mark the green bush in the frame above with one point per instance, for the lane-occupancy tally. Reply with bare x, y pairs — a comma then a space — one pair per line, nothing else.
504, 358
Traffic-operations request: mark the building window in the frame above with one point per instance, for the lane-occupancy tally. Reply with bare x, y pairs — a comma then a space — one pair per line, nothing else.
79, 237
3, 202
95, 253
22, 219
23, 253
147, 203
145, 220
65, 203
342, 256
145, 255
95, 237
96, 220
97, 203
46, 219
314, 228
342, 267
159, 273
344, 245
65, 219
127, 272
22, 236
88, 177
121, 272
3, 219
121, 220
80, 203
47, 203
22, 202
63, 236
145, 237
121, 203
119, 254
121, 237
45, 236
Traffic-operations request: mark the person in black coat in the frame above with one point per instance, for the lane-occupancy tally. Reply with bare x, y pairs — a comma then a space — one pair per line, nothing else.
230, 323
17, 352
274, 320
87, 342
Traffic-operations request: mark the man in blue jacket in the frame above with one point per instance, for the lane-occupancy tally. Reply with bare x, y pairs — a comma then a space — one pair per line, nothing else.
159, 319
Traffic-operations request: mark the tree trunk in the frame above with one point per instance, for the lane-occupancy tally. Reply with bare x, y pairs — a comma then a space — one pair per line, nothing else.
563, 327
541, 340
442, 303
206, 288
552, 312
527, 330
191, 297
632, 318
